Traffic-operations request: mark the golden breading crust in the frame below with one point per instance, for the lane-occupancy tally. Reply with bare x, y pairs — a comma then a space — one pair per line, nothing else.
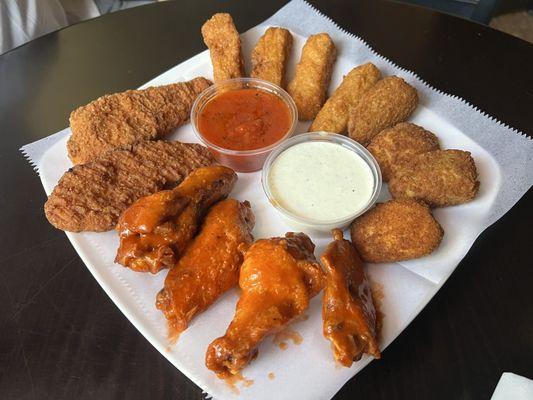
389, 101
309, 86
121, 119
394, 146
91, 197
270, 55
396, 230
224, 43
333, 117
440, 178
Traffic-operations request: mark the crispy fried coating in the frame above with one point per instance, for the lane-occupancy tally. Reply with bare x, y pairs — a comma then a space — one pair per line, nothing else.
396, 230
91, 197
333, 117
270, 55
224, 43
440, 178
394, 146
309, 86
348, 309
155, 230
278, 278
120, 119
389, 101
210, 266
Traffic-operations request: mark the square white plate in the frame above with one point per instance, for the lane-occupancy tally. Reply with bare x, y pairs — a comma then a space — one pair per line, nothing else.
306, 370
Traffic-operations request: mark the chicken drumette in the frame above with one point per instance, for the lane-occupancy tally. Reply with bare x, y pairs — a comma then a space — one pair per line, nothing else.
348, 309
278, 277
155, 230
209, 266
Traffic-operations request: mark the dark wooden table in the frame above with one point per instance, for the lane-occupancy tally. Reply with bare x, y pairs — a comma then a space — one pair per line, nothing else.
60, 335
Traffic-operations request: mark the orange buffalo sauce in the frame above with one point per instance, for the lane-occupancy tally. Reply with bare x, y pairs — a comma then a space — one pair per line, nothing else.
244, 120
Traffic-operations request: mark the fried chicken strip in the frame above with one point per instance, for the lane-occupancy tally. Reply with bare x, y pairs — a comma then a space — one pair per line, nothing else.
210, 265
270, 55
309, 86
278, 277
347, 307
224, 43
390, 101
91, 197
396, 230
155, 230
440, 178
121, 119
333, 117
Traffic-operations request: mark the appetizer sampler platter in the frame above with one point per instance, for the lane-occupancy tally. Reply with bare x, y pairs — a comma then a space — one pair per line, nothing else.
406, 286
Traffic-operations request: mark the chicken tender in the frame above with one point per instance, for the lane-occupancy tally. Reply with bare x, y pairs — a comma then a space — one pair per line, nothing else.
155, 230
396, 230
333, 117
440, 178
210, 266
389, 101
278, 278
270, 56
224, 43
91, 197
120, 119
309, 86
348, 309
394, 146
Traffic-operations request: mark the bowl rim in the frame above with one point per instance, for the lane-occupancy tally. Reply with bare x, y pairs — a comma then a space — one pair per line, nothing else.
322, 136
262, 85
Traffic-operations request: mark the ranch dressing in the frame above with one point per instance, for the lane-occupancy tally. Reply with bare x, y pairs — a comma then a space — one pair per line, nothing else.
321, 181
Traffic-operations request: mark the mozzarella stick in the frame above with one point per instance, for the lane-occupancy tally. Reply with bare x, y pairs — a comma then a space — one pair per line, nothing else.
390, 101
224, 43
333, 117
313, 73
270, 55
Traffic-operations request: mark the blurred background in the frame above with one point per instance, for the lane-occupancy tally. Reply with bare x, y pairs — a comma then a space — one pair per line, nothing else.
24, 20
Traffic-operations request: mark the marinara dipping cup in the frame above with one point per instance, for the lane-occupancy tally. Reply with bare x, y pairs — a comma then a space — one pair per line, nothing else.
319, 181
242, 120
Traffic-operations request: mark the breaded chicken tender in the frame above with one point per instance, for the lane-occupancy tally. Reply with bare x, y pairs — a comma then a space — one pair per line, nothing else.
270, 55
396, 230
389, 101
440, 178
224, 43
394, 146
309, 86
121, 119
333, 117
91, 196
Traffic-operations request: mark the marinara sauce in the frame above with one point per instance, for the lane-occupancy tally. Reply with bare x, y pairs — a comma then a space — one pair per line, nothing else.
244, 120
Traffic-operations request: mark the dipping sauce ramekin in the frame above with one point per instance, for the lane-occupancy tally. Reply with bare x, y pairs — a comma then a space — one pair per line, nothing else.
321, 181
242, 160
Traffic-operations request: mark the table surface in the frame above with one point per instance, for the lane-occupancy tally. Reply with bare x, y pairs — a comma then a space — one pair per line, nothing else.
62, 338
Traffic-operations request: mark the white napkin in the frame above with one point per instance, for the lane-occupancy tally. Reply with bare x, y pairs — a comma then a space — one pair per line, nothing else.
307, 371
512, 386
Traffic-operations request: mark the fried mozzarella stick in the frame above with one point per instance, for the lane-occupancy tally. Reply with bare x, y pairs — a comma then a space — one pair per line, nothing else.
210, 266
390, 101
121, 119
224, 43
313, 74
270, 55
333, 117
347, 307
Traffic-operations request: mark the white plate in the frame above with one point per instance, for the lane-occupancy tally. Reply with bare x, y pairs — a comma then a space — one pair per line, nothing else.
407, 286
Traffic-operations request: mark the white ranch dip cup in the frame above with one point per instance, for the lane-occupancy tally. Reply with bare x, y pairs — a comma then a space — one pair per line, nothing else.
319, 181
